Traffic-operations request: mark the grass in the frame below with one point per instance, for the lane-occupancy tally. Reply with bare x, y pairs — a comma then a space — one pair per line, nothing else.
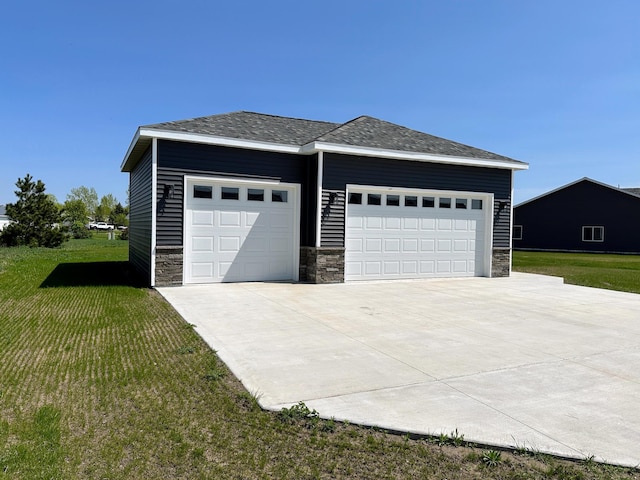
613, 272
101, 378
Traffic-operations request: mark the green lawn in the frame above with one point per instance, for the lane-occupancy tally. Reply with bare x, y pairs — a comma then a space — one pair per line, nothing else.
100, 378
614, 272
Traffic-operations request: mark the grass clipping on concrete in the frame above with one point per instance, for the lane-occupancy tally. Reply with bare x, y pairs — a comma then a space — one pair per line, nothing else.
101, 378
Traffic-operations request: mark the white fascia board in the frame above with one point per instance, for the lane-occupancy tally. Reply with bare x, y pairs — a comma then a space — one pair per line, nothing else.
132, 145
412, 156
221, 141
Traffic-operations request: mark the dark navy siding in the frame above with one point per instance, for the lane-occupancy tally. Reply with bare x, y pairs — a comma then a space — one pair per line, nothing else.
176, 159
555, 221
140, 215
169, 202
340, 170
332, 223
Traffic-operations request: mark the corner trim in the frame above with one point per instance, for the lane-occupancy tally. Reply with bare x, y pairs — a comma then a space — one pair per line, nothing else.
154, 207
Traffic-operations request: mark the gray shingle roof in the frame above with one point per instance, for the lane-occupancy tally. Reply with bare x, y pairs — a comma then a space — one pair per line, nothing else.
635, 191
371, 132
363, 131
252, 126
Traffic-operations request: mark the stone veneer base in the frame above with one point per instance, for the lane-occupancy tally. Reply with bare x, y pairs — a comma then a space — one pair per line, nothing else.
169, 260
500, 262
322, 264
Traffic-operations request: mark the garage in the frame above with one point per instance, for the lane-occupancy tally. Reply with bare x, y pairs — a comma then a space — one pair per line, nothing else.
393, 233
239, 231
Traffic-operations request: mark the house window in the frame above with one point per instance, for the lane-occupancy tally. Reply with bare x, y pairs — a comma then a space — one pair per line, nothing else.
255, 195
444, 202
202, 191
410, 201
393, 200
476, 204
279, 196
373, 199
355, 198
517, 232
461, 203
230, 193
592, 234
428, 202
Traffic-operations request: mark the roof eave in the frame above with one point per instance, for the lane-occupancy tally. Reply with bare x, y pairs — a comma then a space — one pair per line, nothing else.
147, 134
571, 184
142, 139
412, 156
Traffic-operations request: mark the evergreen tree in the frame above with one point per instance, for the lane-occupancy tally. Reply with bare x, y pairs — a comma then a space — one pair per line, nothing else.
34, 217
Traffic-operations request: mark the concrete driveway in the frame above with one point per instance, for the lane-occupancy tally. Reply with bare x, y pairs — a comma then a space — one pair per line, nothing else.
524, 361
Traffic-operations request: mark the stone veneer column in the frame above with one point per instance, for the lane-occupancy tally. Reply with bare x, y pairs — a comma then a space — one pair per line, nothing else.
169, 261
322, 265
501, 262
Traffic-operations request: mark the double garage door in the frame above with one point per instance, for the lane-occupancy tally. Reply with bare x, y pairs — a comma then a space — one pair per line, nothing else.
416, 234
240, 231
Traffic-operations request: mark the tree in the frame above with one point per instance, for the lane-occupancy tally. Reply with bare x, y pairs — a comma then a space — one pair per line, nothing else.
87, 195
106, 206
34, 217
119, 215
75, 214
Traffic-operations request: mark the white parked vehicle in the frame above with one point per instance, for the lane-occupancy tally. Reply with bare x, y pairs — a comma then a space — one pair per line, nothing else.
101, 226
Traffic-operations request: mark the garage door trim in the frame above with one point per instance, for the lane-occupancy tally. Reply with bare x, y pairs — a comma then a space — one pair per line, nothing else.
487, 208
294, 188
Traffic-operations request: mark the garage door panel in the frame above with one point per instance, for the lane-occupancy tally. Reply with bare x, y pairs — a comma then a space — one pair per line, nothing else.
444, 245
354, 245
373, 245
373, 268
373, 223
200, 218
392, 223
427, 267
410, 245
445, 224
229, 244
203, 244
428, 224
202, 269
229, 219
412, 241
391, 267
410, 223
443, 266
410, 267
427, 245
392, 245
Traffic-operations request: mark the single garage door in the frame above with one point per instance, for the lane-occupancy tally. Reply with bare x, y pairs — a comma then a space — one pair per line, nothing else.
416, 234
239, 231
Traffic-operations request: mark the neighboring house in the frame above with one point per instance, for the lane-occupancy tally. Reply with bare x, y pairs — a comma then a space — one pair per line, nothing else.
4, 220
251, 197
583, 216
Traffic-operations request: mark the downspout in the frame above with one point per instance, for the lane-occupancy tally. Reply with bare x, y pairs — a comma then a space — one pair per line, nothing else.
154, 193
319, 200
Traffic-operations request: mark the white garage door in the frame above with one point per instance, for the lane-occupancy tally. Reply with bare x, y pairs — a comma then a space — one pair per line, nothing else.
416, 234
240, 231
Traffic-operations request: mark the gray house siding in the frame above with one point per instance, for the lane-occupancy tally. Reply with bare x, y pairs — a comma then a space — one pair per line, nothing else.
340, 170
177, 159
140, 215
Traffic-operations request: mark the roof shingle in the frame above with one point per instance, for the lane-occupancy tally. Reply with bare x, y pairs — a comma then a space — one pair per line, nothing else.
362, 131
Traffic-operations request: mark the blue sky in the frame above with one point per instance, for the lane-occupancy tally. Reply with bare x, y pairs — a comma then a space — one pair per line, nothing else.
552, 83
